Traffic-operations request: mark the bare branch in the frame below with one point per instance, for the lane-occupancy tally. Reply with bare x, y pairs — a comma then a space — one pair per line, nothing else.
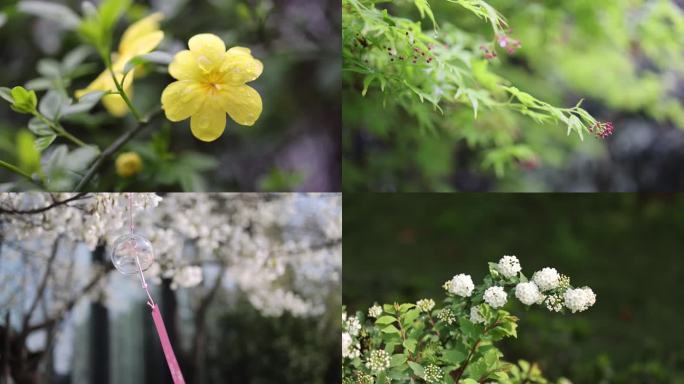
113, 148
43, 284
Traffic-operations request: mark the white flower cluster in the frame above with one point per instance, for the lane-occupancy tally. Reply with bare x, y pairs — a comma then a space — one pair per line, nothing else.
433, 374
378, 361
495, 296
546, 279
475, 315
446, 315
375, 311
462, 285
282, 252
579, 299
350, 347
528, 293
351, 324
425, 305
509, 266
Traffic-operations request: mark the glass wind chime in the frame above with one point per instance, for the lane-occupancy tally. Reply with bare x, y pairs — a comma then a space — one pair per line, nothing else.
133, 254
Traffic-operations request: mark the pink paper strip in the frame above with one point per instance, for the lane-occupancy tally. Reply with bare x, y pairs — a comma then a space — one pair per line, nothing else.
176, 373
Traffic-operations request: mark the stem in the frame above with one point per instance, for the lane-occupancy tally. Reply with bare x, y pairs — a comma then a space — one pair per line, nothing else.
16, 170
119, 87
115, 146
59, 130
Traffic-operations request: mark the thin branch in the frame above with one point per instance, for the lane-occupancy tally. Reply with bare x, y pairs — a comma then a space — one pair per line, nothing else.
34, 211
71, 303
113, 148
43, 284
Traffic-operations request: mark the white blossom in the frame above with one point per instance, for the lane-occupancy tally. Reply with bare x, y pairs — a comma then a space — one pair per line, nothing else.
528, 293
546, 279
579, 299
350, 347
509, 266
375, 311
495, 297
378, 361
475, 315
462, 285
425, 305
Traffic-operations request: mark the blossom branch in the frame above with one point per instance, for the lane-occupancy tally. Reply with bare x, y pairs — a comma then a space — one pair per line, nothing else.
33, 211
43, 284
115, 146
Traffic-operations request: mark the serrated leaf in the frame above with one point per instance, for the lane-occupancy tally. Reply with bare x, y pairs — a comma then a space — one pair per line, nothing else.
391, 329
397, 360
417, 368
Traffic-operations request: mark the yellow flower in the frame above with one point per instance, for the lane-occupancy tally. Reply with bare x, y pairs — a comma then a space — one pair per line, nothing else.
140, 38
128, 164
211, 84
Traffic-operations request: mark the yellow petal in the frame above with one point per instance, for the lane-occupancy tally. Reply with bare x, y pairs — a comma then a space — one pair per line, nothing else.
142, 45
181, 99
115, 105
139, 29
242, 103
184, 66
208, 49
240, 67
209, 122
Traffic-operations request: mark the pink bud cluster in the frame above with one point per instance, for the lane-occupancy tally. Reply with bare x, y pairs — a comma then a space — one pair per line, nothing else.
602, 130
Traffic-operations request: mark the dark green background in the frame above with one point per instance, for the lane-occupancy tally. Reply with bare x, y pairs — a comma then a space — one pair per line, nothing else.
402, 247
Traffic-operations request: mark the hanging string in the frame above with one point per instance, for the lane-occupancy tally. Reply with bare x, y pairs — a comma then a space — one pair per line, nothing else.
150, 301
174, 368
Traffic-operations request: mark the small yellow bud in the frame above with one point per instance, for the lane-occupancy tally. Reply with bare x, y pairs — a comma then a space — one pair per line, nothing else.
128, 164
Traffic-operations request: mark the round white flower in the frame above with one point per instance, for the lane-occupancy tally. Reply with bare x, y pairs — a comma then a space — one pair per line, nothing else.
528, 293
350, 348
352, 325
509, 266
475, 315
495, 297
378, 361
579, 299
546, 279
375, 311
462, 285
425, 305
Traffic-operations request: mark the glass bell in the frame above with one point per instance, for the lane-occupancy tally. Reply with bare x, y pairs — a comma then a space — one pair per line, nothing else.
129, 250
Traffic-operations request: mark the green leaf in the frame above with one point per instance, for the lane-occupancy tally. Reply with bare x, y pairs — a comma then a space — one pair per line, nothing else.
49, 68
410, 316
24, 101
80, 158
44, 141
454, 356
385, 320
391, 329
410, 345
417, 369
397, 360
39, 128
29, 158
156, 57
52, 103
6, 94
75, 57
85, 103
58, 13
39, 84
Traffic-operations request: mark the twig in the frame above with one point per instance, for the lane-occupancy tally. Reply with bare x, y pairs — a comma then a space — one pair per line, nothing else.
115, 146
43, 284
42, 209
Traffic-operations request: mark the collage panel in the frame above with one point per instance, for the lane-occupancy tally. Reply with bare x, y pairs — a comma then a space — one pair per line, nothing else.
510, 96
537, 288
170, 288
170, 95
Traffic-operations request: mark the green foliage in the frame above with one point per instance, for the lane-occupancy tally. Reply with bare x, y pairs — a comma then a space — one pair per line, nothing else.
98, 24
447, 341
457, 85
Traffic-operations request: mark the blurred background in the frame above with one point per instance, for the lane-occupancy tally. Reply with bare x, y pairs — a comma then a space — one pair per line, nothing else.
624, 58
293, 146
248, 286
627, 248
